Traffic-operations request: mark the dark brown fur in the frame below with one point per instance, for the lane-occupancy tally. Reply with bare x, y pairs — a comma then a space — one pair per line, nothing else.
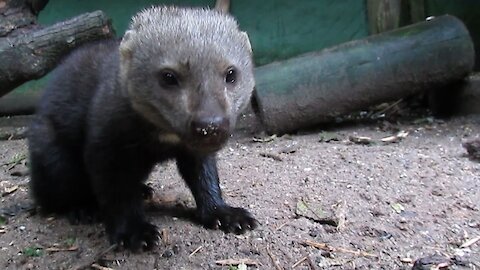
111, 112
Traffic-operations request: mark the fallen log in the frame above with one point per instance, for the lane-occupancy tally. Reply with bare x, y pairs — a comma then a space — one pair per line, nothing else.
19, 102
317, 87
30, 54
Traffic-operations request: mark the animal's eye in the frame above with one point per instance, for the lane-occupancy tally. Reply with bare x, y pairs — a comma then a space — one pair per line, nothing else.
168, 78
231, 75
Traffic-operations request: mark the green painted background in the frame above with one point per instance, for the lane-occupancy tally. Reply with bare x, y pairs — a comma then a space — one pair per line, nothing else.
278, 29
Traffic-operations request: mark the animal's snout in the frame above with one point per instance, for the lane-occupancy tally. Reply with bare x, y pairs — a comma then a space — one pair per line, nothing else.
210, 132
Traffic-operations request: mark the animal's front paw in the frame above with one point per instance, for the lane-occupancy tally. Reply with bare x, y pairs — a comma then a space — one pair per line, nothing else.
229, 219
134, 235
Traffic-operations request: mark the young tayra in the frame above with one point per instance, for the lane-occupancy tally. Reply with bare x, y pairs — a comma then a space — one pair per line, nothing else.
172, 88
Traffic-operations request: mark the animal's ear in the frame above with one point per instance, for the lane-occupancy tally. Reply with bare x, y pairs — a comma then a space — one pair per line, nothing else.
126, 48
126, 53
247, 41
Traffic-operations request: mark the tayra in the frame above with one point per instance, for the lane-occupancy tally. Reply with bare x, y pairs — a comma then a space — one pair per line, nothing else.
171, 89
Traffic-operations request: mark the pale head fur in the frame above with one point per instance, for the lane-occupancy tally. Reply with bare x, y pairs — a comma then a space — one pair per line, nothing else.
199, 45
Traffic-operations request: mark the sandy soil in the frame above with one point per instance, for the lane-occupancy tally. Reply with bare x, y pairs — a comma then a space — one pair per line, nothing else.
373, 206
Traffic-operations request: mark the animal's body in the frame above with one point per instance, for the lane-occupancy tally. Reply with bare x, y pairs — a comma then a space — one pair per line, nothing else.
171, 89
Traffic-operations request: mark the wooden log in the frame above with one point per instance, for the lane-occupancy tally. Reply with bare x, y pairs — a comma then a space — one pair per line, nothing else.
222, 5
34, 53
317, 87
19, 102
417, 10
18, 15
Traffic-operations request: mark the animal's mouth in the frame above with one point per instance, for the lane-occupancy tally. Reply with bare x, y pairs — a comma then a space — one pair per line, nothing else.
207, 144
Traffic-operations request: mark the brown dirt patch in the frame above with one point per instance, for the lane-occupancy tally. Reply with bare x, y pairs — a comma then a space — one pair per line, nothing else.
399, 202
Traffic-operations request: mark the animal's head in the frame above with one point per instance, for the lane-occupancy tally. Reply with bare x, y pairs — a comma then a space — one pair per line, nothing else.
188, 71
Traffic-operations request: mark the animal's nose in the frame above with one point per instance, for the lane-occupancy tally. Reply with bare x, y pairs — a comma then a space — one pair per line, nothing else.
212, 130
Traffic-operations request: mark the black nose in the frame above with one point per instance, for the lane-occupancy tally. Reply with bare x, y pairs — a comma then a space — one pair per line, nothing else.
210, 130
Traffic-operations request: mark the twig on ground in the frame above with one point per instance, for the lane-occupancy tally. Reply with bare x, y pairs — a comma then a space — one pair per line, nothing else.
55, 249
195, 251
17, 159
99, 267
164, 236
388, 108
94, 259
340, 214
299, 262
236, 262
281, 225
326, 247
274, 260
265, 139
402, 134
272, 156
470, 242
9, 190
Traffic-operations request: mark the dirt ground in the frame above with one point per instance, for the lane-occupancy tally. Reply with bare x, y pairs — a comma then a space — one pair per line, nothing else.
364, 206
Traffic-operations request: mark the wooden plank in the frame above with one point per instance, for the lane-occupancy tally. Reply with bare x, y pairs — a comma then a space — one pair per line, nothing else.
223, 6
383, 15
417, 10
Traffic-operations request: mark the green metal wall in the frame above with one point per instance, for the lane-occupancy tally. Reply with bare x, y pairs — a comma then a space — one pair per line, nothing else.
278, 29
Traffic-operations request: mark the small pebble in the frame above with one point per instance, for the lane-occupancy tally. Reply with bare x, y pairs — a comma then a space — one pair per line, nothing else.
167, 253
327, 254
